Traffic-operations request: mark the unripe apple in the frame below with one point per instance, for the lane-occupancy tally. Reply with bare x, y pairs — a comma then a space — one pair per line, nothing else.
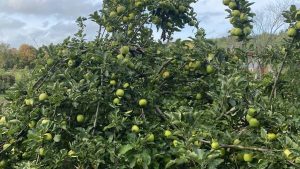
297, 25
120, 92
235, 13
42, 152
112, 14
247, 30
236, 142
125, 85
215, 145
252, 111
166, 74
29, 102
71, 153
198, 96
43, 97
48, 136
287, 153
45, 121
131, 16
143, 102
209, 69
175, 143
135, 129
124, 50
80, 118
150, 137
120, 9
112, 82
248, 157
292, 32
116, 101
253, 122
167, 133
232, 5
50, 61
226, 2
271, 136
243, 17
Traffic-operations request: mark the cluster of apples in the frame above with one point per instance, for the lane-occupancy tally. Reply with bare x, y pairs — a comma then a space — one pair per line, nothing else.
239, 18
294, 29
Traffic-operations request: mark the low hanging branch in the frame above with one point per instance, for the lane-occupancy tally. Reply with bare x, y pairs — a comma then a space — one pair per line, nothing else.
242, 147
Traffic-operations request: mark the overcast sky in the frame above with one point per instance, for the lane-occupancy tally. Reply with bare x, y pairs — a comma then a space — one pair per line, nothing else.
39, 22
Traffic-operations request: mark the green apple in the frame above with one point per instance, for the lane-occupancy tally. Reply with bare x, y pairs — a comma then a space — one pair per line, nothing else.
198, 96
209, 69
248, 117
29, 102
71, 153
131, 16
226, 2
175, 143
251, 111
135, 129
45, 121
235, 13
271, 136
253, 122
43, 97
125, 19
31, 124
112, 14
287, 153
50, 61
215, 145
125, 85
120, 92
243, 17
120, 9
42, 152
150, 137
124, 50
71, 63
2, 164
297, 25
232, 5
116, 101
166, 74
48, 136
247, 30
143, 102
167, 133
80, 118
181, 8
292, 32
248, 157
109, 29
112, 82
236, 142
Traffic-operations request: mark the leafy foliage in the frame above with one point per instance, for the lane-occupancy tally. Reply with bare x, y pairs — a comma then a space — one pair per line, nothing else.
127, 101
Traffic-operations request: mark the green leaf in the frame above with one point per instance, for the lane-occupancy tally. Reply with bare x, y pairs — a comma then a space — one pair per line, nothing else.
124, 149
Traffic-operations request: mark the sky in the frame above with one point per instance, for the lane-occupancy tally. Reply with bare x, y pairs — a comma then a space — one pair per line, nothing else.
39, 22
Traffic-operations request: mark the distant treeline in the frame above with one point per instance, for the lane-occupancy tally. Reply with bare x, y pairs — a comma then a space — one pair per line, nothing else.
12, 58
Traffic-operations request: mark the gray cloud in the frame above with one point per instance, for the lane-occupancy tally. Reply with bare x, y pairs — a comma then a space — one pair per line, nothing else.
8, 23
59, 8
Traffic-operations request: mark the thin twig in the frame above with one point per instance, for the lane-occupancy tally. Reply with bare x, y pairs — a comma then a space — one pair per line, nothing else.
279, 73
96, 117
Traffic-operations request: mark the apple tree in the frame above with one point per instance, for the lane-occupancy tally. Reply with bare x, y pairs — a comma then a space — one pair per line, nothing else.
126, 100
